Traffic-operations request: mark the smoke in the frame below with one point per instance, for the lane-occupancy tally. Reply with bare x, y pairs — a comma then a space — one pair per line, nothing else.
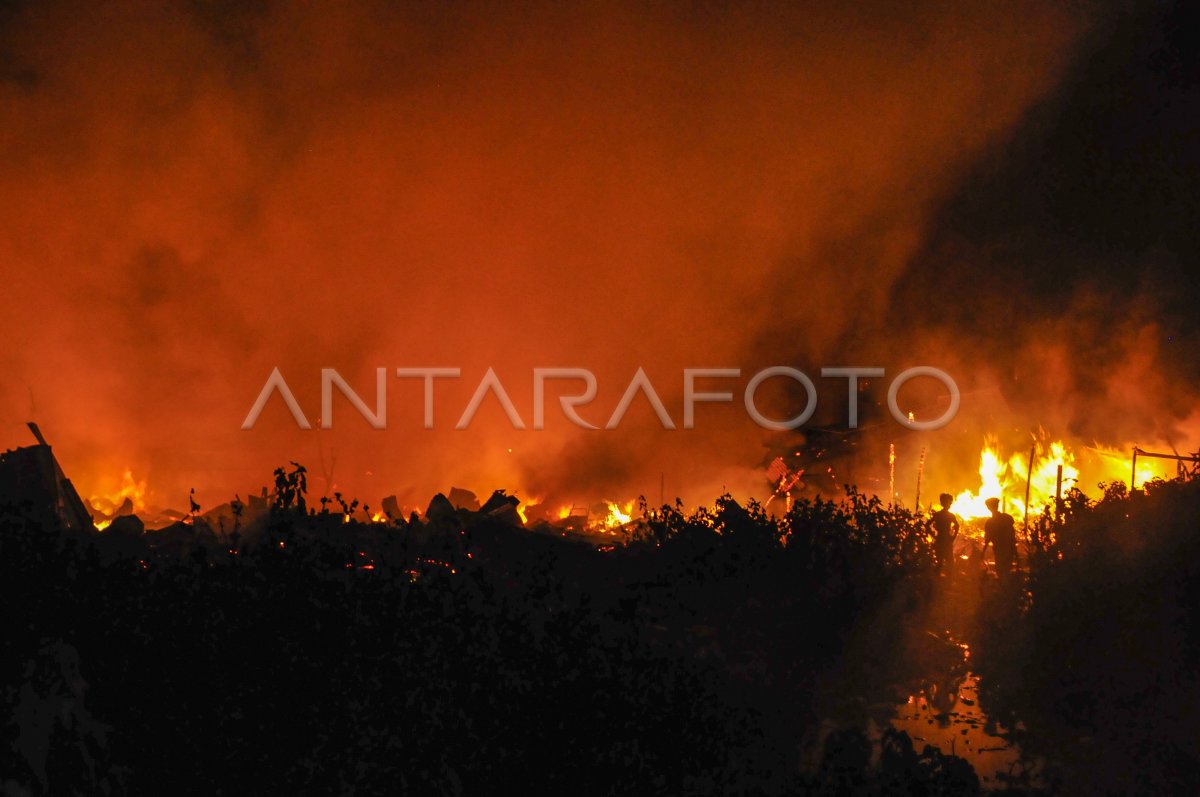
193, 195
1058, 271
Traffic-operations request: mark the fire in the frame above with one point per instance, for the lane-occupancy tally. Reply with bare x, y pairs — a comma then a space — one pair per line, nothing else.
1006, 479
378, 517
1117, 462
618, 514
564, 513
970, 504
525, 505
130, 490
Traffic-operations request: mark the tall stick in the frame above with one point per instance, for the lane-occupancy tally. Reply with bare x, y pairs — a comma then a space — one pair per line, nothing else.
920, 470
1029, 483
1058, 493
1133, 473
891, 473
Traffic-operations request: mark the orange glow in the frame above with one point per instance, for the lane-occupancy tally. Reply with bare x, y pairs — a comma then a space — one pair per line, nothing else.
1118, 462
107, 504
241, 207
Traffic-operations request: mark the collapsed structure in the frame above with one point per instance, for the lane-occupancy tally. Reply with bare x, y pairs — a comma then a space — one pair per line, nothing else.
31, 478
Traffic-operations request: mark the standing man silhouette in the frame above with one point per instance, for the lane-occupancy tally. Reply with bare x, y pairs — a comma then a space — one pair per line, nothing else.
1000, 532
945, 526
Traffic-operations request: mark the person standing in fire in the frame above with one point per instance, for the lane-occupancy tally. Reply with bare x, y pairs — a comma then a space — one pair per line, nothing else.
1001, 533
945, 526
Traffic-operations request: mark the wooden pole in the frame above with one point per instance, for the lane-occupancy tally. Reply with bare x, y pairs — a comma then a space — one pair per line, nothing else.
891, 473
1176, 457
1029, 483
920, 471
1058, 493
1133, 472
33, 427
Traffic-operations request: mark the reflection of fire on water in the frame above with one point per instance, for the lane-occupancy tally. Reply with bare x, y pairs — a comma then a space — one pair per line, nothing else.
948, 716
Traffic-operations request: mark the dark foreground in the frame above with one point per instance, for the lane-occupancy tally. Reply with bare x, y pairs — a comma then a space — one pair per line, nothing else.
717, 653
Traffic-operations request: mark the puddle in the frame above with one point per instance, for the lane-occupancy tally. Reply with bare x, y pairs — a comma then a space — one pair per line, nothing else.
948, 716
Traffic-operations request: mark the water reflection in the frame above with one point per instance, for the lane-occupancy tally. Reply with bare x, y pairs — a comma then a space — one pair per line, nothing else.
947, 715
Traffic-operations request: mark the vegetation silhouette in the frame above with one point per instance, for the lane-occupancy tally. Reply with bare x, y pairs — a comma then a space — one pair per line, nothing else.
721, 651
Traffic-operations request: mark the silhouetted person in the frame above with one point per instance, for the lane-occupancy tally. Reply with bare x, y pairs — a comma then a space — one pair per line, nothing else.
1000, 532
945, 526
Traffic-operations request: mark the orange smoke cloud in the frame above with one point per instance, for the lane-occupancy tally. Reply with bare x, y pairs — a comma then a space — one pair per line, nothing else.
190, 198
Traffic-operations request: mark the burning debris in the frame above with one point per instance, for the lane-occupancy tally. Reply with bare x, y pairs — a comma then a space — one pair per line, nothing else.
1029, 484
815, 462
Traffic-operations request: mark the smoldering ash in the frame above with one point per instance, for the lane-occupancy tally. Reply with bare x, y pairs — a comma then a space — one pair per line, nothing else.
577, 388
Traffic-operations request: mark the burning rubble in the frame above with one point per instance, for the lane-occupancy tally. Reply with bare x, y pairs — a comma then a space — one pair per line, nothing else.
818, 462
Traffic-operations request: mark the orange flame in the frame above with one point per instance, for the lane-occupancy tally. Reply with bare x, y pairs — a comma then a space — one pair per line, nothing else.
107, 504
618, 514
1006, 480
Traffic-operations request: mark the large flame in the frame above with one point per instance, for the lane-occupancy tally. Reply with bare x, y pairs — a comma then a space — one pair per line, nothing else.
1006, 479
